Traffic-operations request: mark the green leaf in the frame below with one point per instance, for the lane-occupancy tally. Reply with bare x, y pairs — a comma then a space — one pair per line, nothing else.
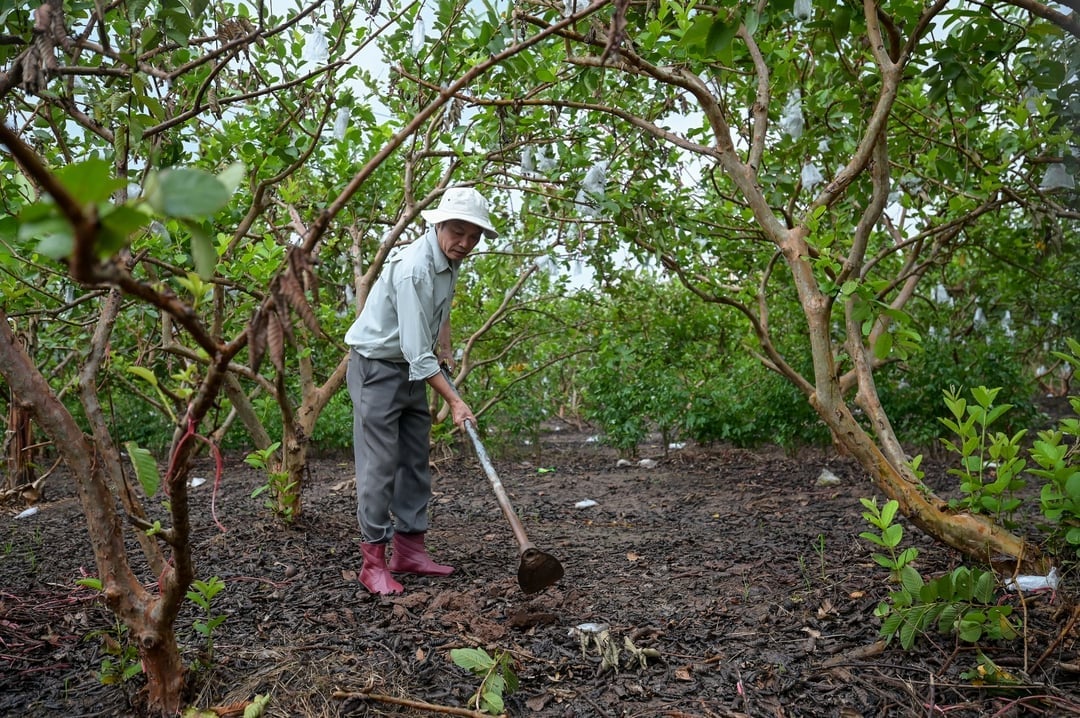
493, 703
872, 537
145, 374
883, 561
146, 470
720, 35
257, 707
969, 631
883, 345
231, 177
94, 583
947, 620
984, 587
907, 556
89, 182
118, 224
698, 33
908, 632
892, 535
476, 660
54, 237
911, 580
752, 19
891, 624
186, 192
203, 253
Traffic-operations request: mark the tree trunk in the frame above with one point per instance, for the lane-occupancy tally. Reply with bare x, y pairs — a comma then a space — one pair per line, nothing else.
883, 458
19, 444
148, 617
974, 535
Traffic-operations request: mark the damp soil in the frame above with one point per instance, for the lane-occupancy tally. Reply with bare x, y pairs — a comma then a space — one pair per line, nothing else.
713, 582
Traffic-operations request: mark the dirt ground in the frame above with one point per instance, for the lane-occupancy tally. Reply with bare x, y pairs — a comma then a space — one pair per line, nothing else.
718, 582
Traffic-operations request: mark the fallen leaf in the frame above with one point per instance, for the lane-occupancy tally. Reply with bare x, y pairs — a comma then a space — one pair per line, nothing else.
855, 595
420, 654
631, 556
683, 674
538, 703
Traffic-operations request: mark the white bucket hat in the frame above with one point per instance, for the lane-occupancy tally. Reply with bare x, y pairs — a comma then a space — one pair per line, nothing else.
462, 203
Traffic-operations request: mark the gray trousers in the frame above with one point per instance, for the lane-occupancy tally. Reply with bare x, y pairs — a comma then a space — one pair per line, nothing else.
391, 439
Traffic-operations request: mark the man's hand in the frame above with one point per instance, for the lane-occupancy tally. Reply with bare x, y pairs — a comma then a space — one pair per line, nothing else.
459, 410
462, 413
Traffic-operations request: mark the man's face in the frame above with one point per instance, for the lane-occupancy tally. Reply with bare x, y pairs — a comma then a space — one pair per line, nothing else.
457, 238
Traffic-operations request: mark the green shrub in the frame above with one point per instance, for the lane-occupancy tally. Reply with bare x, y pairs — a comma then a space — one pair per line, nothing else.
911, 391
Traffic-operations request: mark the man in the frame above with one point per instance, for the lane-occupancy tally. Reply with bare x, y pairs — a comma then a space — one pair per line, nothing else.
398, 343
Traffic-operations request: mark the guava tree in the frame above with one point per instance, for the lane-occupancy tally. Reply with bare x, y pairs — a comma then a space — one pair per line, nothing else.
177, 185
778, 157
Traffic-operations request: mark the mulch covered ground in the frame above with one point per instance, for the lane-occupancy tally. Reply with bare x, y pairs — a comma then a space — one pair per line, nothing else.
718, 582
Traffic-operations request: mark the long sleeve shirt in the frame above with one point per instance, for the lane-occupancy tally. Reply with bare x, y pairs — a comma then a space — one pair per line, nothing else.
407, 305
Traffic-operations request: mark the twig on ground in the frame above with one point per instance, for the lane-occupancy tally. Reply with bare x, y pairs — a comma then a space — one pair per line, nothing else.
1061, 635
409, 702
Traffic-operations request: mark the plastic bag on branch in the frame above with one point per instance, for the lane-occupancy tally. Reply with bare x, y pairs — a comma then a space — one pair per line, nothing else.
528, 164
341, 123
1057, 177
803, 10
811, 176
592, 189
419, 36
316, 48
543, 162
941, 296
791, 119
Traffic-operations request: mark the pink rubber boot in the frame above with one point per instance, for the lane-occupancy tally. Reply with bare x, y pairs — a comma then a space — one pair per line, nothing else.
374, 574
410, 556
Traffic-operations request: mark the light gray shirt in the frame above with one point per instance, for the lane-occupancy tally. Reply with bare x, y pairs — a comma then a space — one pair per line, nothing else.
407, 305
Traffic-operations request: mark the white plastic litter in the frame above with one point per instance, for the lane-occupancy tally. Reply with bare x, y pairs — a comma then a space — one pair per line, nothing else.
811, 176
341, 123
585, 504
543, 162
647, 464
791, 119
28, 513
316, 49
622, 463
419, 36
196, 482
827, 478
528, 163
592, 189
941, 296
1035, 583
1057, 177
589, 628
802, 10
677, 445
